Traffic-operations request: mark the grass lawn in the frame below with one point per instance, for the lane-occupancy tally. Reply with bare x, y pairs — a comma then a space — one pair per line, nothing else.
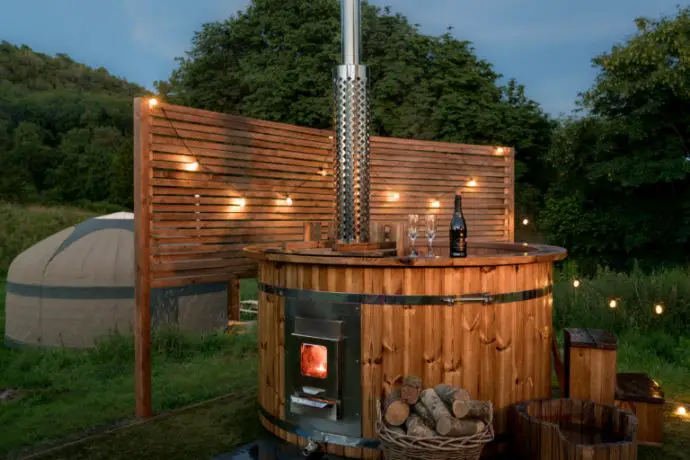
75, 393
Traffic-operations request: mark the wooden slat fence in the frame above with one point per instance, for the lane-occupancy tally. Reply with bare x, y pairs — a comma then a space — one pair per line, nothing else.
207, 184
217, 182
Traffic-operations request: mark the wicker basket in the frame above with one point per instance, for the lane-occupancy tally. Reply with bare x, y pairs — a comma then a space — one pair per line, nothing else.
402, 447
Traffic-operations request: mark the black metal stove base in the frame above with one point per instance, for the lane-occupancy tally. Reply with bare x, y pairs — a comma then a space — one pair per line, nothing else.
270, 447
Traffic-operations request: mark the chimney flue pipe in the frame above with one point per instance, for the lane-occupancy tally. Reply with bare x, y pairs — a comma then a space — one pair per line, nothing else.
351, 120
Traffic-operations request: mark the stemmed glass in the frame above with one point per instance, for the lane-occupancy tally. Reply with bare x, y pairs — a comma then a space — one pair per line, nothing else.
430, 227
413, 220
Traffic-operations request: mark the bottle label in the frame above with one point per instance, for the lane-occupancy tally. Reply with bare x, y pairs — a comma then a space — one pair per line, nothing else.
459, 246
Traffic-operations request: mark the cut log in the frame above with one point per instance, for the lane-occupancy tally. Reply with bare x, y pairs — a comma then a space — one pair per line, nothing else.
411, 389
416, 427
478, 409
433, 402
395, 412
455, 397
452, 427
421, 410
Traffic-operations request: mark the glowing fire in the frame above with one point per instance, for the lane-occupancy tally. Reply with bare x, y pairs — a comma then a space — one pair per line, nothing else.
314, 360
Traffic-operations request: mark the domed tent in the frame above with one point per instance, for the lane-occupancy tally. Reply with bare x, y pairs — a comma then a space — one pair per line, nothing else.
78, 285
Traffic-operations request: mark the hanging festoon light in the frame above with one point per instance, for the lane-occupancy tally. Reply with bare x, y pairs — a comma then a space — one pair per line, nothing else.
525, 221
681, 410
613, 303
288, 200
241, 202
659, 308
192, 166
394, 196
435, 204
153, 102
322, 171
576, 283
499, 150
472, 182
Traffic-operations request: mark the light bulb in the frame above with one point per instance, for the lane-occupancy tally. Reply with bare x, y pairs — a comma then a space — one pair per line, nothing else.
525, 221
153, 102
525, 243
196, 196
435, 204
323, 172
395, 196
613, 303
193, 166
288, 200
472, 182
681, 411
576, 283
499, 150
658, 309
241, 202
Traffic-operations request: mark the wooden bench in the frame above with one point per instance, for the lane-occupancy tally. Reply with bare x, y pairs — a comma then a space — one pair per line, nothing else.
642, 396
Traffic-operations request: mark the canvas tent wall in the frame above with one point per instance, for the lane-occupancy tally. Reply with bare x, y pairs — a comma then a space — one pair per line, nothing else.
78, 285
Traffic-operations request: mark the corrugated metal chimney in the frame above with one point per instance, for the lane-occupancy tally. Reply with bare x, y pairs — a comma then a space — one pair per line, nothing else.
352, 165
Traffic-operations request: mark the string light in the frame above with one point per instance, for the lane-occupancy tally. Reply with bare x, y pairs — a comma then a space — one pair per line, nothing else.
288, 200
680, 410
576, 283
499, 150
322, 171
435, 204
525, 221
241, 202
395, 196
658, 308
193, 166
472, 182
153, 102
613, 303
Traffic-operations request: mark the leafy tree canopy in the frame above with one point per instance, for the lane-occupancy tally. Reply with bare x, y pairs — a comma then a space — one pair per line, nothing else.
622, 188
275, 61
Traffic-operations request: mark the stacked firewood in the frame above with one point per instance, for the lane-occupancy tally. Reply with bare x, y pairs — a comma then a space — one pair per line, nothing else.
444, 410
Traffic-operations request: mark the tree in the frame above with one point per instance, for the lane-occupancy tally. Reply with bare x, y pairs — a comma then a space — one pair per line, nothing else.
275, 61
622, 180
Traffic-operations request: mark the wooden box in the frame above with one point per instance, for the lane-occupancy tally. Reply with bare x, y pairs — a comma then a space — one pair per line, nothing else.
590, 365
642, 396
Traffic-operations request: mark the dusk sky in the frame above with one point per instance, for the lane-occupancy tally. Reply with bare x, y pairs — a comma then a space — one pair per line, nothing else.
545, 44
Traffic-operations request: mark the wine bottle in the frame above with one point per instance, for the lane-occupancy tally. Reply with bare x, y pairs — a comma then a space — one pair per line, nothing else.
458, 231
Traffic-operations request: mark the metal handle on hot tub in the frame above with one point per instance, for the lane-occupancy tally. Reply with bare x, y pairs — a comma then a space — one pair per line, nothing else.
475, 298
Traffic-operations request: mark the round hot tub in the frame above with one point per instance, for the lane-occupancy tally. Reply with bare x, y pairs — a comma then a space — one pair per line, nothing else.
339, 330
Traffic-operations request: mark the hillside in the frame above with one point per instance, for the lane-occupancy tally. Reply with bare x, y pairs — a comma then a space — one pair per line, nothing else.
65, 130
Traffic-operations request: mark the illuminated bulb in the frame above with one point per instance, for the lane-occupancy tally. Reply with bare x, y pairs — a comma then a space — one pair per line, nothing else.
196, 196
681, 411
322, 171
241, 202
658, 309
525, 221
435, 204
288, 200
613, 303
525, 243
395, 196
193, 166
472, 183
499, 150
153, 102
576, 283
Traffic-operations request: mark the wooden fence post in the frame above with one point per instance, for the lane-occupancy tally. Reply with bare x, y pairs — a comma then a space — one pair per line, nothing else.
142, 250
234, 300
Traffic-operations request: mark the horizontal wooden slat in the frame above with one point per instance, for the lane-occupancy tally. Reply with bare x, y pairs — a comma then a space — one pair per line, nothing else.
198, 230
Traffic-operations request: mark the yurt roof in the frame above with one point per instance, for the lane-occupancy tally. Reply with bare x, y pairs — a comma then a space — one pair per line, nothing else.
96, 252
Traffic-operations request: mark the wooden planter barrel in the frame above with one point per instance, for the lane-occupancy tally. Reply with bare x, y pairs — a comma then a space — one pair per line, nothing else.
483, 322
572, 429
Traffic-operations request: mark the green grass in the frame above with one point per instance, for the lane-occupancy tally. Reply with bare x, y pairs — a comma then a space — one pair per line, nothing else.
70, 392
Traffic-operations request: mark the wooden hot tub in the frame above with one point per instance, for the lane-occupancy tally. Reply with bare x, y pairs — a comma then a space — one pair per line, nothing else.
337, 331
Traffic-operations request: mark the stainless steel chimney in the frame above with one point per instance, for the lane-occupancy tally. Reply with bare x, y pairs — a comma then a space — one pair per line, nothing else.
352, 165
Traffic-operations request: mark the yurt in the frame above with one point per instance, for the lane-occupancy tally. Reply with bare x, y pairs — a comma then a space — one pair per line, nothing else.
78, 285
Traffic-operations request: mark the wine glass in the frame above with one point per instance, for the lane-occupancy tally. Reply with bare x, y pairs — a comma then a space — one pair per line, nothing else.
413, 220
430, 227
